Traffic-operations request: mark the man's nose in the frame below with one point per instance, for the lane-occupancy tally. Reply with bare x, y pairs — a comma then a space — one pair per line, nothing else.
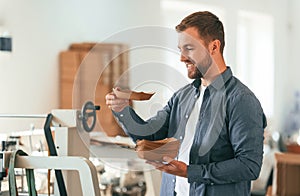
183, 57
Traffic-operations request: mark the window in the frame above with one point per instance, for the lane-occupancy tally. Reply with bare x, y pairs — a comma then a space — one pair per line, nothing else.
255, 56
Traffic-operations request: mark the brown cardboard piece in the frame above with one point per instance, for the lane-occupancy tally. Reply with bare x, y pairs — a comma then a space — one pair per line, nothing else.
132, 95
156, 150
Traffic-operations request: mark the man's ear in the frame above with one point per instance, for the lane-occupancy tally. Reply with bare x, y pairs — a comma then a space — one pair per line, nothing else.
214, 46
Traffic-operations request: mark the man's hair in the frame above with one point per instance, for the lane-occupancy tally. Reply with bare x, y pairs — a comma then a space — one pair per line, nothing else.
208, 25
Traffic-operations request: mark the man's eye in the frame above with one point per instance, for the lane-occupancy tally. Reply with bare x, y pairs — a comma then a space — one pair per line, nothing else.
186, 49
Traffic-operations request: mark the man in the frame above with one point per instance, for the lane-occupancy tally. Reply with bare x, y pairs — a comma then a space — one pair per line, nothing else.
218, 120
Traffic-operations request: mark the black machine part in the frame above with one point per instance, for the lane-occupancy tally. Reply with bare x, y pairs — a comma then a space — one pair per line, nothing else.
88, 116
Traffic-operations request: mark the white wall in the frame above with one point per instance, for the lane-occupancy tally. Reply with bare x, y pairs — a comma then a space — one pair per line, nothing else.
291, 69
282, 92
41, 29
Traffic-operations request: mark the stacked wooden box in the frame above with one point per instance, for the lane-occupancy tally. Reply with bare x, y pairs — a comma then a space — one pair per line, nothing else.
88, 71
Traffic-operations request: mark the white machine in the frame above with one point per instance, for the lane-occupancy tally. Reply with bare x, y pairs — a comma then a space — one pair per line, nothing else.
72, 139
71, 151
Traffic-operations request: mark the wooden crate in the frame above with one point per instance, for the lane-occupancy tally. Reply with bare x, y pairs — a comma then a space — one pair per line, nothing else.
287, 174
88, 71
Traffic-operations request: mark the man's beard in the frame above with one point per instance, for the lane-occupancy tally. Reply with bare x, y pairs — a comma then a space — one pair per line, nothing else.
196, 74
203, 66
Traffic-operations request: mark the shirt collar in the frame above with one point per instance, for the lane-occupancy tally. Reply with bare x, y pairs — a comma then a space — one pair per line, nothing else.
196, 83
219, 82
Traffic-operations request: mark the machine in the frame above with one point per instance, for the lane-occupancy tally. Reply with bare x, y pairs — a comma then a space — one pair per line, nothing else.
72, 151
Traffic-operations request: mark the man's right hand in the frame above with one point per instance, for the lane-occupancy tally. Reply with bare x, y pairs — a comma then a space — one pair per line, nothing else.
115, 103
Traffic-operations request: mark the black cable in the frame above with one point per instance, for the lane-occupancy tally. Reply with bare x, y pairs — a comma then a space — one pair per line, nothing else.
52, 150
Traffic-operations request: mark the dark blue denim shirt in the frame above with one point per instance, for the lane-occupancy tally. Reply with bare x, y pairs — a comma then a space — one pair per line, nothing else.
227, 149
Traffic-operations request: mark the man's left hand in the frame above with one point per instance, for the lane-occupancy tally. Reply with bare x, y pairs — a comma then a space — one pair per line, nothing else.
171, 166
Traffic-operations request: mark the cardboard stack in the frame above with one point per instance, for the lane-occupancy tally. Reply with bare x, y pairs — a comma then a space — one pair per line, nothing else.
286, 174
88, 71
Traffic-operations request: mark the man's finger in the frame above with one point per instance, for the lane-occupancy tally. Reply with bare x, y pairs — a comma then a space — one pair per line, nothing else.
167, 159
157, 165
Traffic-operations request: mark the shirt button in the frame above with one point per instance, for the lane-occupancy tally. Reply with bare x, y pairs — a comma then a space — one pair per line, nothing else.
121, 115
212, 183
186, 116
195, 96
180, 137
173, 180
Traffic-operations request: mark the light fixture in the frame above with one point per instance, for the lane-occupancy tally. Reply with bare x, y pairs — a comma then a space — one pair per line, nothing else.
5, 40
6, 44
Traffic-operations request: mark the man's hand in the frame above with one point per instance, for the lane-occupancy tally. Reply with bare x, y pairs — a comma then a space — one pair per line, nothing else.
171, 166
115, 103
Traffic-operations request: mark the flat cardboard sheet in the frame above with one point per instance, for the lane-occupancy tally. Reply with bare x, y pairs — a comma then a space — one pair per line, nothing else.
132, 95
156, 150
